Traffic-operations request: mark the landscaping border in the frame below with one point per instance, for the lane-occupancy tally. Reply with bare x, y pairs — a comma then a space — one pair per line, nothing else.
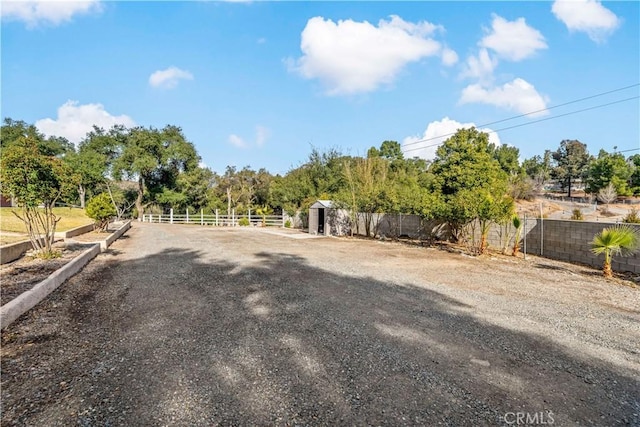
28, 299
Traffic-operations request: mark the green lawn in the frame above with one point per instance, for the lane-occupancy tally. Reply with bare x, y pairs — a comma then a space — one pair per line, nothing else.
71, 218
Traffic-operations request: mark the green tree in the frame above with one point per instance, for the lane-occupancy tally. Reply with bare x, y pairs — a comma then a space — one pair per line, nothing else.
571, 162
154, 159
507, 157
617, 240
470, 183
101, 209
35, 179
538, 168
634, 179
609, 169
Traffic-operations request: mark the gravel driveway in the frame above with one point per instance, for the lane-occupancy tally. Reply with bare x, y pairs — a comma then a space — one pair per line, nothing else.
191, 326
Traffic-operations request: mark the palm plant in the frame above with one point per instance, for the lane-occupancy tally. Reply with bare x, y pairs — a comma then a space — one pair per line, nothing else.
617, 240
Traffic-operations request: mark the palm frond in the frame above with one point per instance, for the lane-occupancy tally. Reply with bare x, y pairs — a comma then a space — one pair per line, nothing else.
617, 240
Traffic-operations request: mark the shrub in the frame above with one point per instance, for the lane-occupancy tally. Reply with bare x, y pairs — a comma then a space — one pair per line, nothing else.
632, 217
101, 209
576, 215
287, 224
243, 222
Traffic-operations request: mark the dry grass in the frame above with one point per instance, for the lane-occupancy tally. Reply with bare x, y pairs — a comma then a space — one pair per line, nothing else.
71, 218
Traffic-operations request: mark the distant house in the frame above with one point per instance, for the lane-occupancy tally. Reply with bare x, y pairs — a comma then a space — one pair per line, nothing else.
327, 220
5, 202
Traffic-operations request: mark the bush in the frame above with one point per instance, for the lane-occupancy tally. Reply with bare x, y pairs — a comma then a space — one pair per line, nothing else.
576, 215
243, 222
632, 217
287, 224
101, 209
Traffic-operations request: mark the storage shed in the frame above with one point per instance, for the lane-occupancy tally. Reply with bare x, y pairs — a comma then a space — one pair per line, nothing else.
326, 220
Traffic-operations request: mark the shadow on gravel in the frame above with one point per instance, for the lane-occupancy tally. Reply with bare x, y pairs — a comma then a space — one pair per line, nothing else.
193, 341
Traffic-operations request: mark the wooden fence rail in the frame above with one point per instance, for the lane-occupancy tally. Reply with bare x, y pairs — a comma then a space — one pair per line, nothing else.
216, 219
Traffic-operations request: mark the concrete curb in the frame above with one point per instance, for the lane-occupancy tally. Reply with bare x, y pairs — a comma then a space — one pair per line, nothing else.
75, 231
27, 300
104, 244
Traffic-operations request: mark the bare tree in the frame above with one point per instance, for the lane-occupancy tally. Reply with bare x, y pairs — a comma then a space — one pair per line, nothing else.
607, 195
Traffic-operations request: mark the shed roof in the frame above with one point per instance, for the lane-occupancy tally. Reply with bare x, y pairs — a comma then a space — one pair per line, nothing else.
320, 204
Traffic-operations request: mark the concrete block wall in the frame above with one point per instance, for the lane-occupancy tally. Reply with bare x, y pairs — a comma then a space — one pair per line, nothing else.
567, 240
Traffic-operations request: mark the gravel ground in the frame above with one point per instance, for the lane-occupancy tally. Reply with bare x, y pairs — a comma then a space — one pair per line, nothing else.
180, 325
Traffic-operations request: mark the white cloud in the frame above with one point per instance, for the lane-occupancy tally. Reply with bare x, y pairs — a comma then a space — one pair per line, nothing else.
34, 13
351, 57
480, 67
513, 40
169, 78
517, 95
449, 57
437, 132
588, 16
74, 121
262, 134
236, 141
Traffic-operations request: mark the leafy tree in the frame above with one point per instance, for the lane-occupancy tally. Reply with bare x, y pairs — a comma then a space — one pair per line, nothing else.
620, 239
101, 209
155, 158
13, 130
571, 162
538, 168
507, 157
609, 169
35, 179
470, 182
634, 179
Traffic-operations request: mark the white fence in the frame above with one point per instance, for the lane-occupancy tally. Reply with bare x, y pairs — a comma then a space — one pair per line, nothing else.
217, 220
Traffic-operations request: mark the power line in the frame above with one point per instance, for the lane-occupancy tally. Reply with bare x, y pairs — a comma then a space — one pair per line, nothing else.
527, 114
522, 124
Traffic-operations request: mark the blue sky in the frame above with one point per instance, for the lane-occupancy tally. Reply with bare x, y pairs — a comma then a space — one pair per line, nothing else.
259, 83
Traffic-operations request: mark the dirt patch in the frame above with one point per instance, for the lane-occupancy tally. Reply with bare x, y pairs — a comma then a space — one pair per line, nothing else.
26, 272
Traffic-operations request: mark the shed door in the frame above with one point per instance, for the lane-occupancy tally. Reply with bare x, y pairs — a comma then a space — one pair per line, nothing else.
320, 221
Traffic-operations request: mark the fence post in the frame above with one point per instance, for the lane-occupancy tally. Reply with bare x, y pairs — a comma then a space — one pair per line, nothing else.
201, 216
171, 216
216, 217
525, 235
541, 230
233, 217
250, 216
283, 221
187, 215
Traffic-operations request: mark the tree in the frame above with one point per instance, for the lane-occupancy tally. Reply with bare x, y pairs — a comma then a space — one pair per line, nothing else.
634, 179
538, 169
155, 158
607, 195
572, 159
507, 157
617, 240
35, 179
101, 209
609, 169
470, 182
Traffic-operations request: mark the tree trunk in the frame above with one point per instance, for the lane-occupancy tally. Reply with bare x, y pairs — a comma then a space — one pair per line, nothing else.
569, 195
606, 267
139, 206
82, 193
228, 202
